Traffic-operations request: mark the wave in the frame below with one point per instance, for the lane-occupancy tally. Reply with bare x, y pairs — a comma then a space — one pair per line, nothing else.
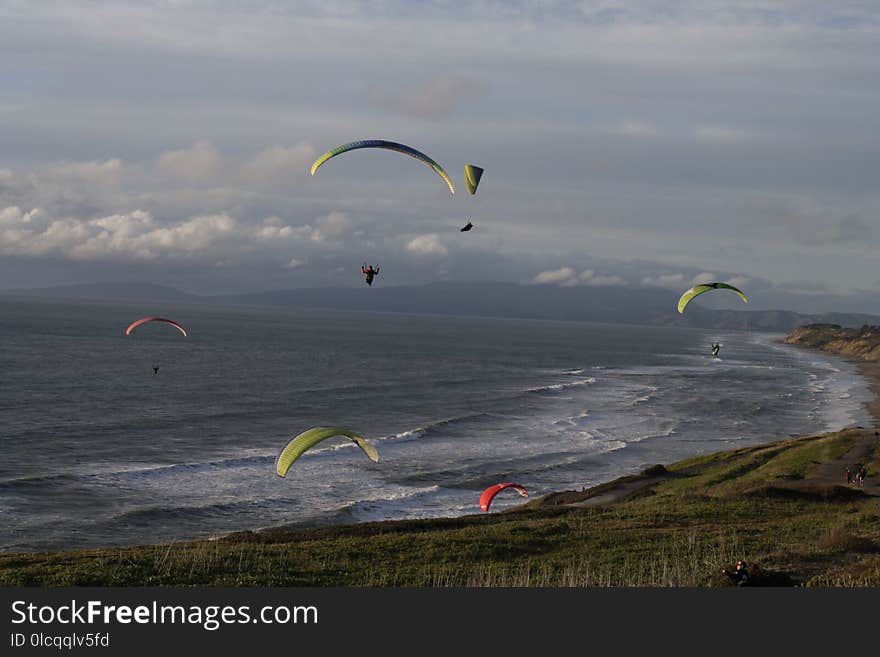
555, 387
135, 472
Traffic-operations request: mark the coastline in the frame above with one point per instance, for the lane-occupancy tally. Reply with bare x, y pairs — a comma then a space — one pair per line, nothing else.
860, 346
783, 505
871, 371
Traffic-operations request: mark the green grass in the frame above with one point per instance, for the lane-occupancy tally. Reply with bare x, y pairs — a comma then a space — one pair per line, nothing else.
701, 515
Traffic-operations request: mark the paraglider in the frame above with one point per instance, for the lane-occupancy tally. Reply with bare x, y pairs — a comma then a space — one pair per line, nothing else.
310, 437
697, 290
467, 227
472, 175
715, 349
490, 493
369, 273
139, 322
388, 145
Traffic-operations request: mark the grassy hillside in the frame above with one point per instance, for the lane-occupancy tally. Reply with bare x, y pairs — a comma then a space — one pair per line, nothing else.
784, 507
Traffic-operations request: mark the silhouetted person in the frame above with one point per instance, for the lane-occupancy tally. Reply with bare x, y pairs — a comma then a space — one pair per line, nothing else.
740, 576
155, 369
369, 272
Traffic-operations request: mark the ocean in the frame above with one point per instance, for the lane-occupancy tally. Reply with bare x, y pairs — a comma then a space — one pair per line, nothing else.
96, 450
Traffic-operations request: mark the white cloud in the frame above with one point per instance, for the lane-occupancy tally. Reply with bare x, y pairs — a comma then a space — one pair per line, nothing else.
703, 277
96, 172
569, 277
591, 278
294, 263
675, 281
331, 227
279, 163
559, 276
427, 245
274, 228
136, 235
199, 163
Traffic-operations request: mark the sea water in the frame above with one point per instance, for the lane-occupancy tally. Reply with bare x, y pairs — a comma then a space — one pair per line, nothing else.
97, 450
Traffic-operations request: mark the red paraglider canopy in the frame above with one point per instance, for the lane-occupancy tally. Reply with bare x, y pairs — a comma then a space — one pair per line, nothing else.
134, 325
490, 493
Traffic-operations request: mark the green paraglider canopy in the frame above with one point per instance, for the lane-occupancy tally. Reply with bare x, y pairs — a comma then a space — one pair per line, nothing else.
307, 439
697, 290
472, 175
387, 145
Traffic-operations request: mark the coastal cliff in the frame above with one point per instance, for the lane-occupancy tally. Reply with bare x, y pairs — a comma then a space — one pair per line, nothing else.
856, 343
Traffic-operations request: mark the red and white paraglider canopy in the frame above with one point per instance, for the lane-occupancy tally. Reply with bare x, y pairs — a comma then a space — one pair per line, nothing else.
490, 493
134, 325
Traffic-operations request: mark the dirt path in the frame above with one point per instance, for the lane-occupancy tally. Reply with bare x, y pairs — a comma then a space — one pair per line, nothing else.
863, 452
827, 476
618, 493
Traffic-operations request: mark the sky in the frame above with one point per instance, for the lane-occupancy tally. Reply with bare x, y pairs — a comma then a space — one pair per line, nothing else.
649, 143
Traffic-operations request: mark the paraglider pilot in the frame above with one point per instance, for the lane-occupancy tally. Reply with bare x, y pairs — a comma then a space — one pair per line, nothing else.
369, 272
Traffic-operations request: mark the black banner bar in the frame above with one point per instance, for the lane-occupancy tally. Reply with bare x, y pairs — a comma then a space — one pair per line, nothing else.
110, 621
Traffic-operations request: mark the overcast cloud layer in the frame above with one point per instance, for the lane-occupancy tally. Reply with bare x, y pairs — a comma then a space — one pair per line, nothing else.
636, 143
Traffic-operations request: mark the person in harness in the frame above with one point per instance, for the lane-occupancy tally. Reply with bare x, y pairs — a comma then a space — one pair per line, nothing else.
369, 273
715, 349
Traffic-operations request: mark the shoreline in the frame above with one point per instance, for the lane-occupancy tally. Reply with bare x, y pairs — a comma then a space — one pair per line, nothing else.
603, 493
783, 506
871, 371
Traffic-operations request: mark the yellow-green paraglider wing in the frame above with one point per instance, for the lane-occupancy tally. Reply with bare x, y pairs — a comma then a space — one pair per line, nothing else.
387, 145
697, 290
299, 444
472, 175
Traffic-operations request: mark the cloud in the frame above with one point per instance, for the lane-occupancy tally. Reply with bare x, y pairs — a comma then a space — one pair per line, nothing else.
738, 281
279, 163
331, 227
293, 263
679, 280
703, 277
326, 229
673, 281
814, 224
559, 276
433, 101
96, 172
569, 277
137, 235
592, 279
199, 163
274, 228
427, 245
